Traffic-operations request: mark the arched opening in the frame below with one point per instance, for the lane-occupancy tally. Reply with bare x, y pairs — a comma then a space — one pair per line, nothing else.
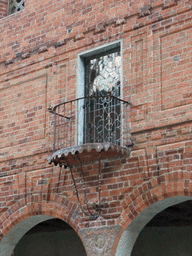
132, 240
169, 233
42, 236
53, 237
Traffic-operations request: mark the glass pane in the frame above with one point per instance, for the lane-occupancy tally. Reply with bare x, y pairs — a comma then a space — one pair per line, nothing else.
103, 75
102, 111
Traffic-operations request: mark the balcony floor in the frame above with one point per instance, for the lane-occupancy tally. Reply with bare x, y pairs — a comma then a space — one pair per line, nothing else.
87, 153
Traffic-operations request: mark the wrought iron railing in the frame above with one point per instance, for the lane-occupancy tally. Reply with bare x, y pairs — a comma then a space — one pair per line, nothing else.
92, 119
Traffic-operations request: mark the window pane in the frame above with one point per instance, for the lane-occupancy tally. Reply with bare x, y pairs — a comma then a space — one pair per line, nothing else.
103, 74
102, 111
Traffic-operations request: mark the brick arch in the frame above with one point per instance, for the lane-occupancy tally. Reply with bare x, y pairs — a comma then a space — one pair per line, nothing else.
20, 218
143, 204
149, 193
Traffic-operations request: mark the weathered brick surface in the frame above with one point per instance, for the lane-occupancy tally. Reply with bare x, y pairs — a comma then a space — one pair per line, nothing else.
3, 8
38, 69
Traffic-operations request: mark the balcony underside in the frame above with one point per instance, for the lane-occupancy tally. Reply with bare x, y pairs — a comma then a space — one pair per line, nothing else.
72, 156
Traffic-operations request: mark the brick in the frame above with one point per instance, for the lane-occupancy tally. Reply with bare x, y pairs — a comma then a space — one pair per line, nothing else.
38, 69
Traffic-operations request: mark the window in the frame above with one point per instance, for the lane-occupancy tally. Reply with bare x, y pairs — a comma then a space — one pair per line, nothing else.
15, 6
101, 87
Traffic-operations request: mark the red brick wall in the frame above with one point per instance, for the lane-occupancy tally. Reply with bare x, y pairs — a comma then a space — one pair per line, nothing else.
38, 68
3, 8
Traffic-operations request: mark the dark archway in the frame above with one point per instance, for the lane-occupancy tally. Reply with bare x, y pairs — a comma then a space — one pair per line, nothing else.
132, 232
52, 237
169, 233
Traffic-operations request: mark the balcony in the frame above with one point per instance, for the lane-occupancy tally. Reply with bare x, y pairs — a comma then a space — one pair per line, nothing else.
90, 128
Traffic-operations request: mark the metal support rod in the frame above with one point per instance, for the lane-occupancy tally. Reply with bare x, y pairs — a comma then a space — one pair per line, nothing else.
85, 194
